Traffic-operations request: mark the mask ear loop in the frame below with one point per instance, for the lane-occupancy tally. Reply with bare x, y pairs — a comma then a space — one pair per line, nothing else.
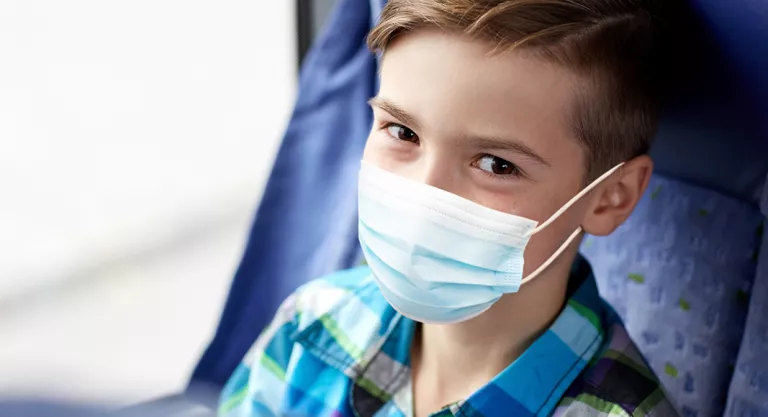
557, 214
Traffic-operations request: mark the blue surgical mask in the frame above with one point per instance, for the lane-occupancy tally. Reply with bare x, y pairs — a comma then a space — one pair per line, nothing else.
438, 257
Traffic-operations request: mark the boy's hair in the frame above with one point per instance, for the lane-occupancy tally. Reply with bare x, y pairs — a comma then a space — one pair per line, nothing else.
616, 46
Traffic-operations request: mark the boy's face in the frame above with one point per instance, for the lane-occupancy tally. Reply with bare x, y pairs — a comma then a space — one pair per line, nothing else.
490, 128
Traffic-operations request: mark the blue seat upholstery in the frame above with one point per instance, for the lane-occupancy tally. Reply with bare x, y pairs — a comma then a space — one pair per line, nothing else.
748, 393
306, 224
682, 271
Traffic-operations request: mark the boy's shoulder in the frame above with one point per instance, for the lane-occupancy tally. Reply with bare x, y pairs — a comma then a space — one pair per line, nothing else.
328, 293
334, 318
618, 381
341, 299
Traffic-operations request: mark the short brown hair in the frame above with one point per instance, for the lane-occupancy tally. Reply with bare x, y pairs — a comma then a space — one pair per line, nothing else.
615, 45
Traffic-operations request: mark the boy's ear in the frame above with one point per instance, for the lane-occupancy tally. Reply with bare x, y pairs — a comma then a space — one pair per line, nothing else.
614, 201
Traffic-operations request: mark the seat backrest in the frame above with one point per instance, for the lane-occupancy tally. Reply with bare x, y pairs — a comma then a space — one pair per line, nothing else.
748, 393
306, 224
679, 272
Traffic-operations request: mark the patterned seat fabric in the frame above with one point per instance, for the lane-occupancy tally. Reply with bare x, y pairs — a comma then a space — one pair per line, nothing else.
680, 273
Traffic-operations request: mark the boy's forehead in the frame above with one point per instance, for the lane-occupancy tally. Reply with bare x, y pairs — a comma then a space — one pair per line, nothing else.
452, 83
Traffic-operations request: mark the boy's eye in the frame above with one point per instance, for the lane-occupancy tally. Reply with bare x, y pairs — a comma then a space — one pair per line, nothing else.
497, 166
402, 133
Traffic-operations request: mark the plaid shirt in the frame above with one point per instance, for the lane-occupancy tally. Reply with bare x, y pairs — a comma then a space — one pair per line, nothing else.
336, 348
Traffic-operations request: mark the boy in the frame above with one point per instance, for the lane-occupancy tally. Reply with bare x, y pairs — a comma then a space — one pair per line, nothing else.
502, 131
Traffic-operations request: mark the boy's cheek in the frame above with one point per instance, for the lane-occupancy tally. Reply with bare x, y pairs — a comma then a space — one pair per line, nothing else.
384, 153
375, 149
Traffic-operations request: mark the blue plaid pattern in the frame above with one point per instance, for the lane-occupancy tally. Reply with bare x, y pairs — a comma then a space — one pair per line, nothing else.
336, 348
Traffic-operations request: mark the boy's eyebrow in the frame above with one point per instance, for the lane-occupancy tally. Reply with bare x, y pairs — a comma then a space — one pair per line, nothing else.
395, 111
512, 145
490, 143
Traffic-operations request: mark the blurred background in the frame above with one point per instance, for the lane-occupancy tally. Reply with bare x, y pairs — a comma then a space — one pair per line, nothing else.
135, 141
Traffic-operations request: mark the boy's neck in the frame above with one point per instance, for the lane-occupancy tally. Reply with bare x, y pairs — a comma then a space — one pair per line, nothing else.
450, 362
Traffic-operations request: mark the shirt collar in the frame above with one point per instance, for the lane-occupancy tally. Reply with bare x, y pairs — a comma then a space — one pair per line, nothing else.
366, 339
